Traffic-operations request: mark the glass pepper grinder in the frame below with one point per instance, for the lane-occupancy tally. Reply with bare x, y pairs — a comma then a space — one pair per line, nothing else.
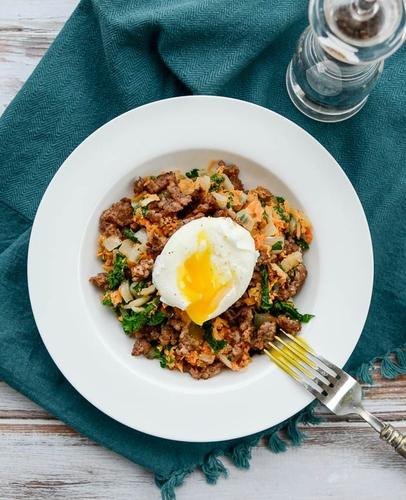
339, 57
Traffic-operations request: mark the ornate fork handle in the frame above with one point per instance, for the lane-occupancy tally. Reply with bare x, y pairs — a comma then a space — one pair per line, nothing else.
337, 390
386, 431
395, 438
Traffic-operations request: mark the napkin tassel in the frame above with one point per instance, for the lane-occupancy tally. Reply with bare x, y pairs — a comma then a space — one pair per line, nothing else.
276, 443
168, 485
213, 468
394, 364
241, 454
391, 365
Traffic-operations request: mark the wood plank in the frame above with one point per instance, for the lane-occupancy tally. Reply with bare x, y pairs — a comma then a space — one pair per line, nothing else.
34, 14
340, 467
27, 28
14, 405
341, 453
19, 54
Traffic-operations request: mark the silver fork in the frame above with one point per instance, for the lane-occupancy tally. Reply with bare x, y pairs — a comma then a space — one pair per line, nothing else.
337, 390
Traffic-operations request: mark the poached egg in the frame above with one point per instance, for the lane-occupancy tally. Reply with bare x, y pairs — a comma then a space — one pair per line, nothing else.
205, 267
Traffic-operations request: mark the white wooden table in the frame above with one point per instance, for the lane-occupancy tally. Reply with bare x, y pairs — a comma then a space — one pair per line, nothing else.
41, 458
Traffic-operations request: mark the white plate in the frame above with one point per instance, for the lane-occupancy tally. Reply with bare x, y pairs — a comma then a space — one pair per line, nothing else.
86, 341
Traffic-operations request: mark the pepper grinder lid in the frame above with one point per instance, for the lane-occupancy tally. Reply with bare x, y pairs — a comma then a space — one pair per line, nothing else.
359, 31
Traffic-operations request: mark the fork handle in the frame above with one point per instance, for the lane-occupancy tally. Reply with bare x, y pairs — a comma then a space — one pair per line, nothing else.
386, 431
395, 438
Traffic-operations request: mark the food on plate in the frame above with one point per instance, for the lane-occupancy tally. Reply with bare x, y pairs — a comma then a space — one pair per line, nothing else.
200, 271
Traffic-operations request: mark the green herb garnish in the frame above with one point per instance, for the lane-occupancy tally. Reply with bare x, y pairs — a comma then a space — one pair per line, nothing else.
216, 181
281, 212
216, 345
280, 209
116, 276
303, 244
192, 174
107, 301
136, 206
265, 305
277, 245
130, 235
280, 307
230, 202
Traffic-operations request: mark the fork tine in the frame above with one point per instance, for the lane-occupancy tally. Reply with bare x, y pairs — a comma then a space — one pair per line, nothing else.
288, 369
296, 351
282, 364
291, 359
325, 378
312, 377
328, 365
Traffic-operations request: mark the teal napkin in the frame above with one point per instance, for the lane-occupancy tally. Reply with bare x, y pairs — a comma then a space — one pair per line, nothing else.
114, 55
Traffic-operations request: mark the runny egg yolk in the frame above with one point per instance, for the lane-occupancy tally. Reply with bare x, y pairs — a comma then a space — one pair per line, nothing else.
201, 283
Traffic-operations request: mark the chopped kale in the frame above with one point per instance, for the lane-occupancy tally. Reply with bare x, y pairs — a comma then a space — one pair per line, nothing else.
216, 181
151, 307
144, 211
265, 305
157, 318
136, 287
116, 276
216, 345
134, 321
192, 174
157, 354
279, 199
130, 234
265, 216
303, 244
280, 307
277, 245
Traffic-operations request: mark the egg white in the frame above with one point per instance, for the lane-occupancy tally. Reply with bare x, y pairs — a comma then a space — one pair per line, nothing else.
234, 255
